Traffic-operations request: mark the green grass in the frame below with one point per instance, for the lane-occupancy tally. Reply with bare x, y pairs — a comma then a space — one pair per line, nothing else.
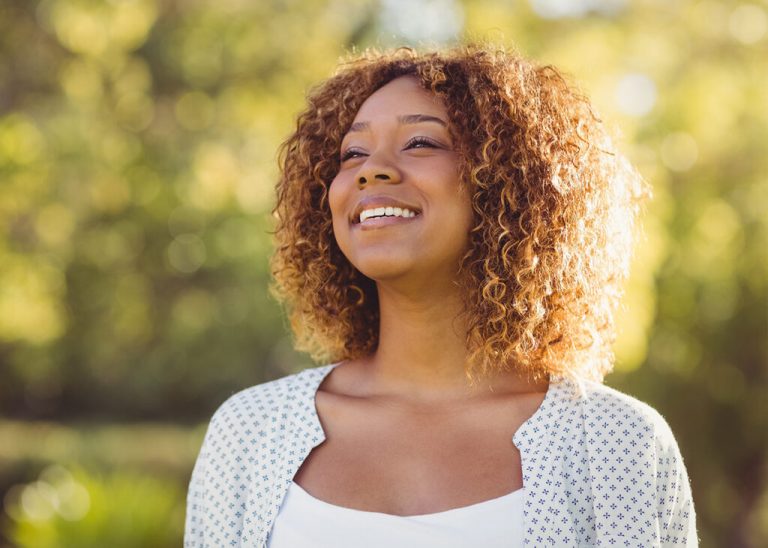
94, 485
162, 447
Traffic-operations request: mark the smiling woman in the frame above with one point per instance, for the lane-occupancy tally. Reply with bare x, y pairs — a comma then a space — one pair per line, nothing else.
453, 230
399, 153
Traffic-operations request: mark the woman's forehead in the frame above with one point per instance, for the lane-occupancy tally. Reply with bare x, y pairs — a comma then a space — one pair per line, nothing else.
401, 96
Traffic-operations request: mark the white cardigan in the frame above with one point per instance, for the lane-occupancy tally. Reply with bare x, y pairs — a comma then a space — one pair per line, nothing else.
600, 468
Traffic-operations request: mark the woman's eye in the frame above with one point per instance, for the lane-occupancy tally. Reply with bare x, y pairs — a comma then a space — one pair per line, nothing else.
421, 142
351, 153
416, 142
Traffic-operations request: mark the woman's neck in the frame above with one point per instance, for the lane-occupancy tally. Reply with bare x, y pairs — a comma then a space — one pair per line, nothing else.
422, 352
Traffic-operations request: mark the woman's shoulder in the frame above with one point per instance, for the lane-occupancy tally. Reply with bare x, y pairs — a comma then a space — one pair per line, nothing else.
619, 415
632, 454
264, 399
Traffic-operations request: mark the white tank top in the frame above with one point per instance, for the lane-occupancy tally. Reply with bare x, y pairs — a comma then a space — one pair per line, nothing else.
304, 521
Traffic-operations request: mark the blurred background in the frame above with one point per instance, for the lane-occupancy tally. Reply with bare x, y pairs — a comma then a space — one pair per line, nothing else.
137, 162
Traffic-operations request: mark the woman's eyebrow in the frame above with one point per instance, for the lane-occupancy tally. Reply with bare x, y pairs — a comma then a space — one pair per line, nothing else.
419, 118
405, 119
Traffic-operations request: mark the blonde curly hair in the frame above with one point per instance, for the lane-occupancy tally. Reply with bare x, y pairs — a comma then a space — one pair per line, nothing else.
554, 214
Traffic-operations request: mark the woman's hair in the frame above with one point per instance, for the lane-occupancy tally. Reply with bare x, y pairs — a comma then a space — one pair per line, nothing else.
554, 208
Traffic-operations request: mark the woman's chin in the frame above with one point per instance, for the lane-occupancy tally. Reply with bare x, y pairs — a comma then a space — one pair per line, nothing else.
381, 271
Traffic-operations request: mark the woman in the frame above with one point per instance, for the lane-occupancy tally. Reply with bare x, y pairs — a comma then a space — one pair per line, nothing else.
453, 230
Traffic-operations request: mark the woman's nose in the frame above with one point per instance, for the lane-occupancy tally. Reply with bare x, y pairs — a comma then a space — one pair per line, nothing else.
377, 171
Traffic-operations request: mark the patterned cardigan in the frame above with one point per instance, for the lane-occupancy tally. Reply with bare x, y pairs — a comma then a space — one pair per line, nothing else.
600, 468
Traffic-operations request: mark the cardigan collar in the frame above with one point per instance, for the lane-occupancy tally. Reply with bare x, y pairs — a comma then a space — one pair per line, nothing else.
531, 439
305, 418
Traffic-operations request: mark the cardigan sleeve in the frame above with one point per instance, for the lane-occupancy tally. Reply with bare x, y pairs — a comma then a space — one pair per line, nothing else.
200, 497
193, 525
675, 511
216, 493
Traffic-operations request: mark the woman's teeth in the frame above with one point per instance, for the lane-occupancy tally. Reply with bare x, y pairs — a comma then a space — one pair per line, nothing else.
386, 212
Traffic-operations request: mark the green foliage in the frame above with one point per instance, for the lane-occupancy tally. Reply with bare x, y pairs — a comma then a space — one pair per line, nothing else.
79, 509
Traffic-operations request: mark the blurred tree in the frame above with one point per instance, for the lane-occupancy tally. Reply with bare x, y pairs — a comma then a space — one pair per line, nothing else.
137, 147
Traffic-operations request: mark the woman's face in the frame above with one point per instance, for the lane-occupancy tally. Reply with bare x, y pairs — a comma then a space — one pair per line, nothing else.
398, 158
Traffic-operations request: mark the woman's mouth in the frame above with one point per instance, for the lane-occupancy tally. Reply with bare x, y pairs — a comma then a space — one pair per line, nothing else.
385, 216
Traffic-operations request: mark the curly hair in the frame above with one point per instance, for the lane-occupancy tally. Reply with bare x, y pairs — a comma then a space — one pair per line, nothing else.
554, 208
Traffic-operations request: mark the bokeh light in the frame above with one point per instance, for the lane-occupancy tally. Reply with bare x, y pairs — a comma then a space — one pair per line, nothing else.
635, 94
748, 23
